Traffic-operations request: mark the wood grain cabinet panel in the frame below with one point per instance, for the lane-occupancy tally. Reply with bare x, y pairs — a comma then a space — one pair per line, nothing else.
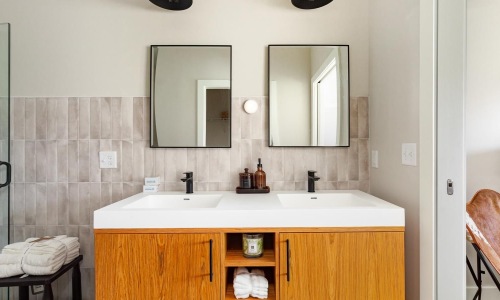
355, 265
157, 266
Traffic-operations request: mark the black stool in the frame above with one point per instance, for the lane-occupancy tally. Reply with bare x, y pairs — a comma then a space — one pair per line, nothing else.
46, 280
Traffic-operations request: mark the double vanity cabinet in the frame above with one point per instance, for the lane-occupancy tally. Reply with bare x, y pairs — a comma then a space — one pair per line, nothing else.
323, 251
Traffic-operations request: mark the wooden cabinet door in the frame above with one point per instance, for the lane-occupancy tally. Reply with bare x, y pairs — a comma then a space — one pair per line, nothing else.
157, 266
360, 265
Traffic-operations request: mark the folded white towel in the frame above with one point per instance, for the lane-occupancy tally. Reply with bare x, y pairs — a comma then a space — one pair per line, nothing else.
240, 295
38, 256
240, 270
260, 295
259, 282
258, 272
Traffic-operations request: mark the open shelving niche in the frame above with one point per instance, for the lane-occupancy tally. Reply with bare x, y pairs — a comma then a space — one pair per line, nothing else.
234, 258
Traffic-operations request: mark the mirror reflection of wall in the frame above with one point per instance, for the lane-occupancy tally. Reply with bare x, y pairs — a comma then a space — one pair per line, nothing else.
186, 81
308, 95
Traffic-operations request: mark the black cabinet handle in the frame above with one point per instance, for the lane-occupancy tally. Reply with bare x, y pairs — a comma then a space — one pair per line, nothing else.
211, 261
287, 260
7, 180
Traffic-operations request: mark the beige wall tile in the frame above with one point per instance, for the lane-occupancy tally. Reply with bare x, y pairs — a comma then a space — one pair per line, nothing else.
106, 194
147, 113
30, 118
353, 117
74, 206
138, 118
41, 161
52, 118
138, 161
202, 167
62, 161
363, 119
106, 120
159, 163
41, 204
353, 164
116, 192
17, 159
95, 118
116, 118
95, 170
84, 203
106, 174
52, 208
84, 118
236, 112
62, 204
18, 208
127, 159
331, 165
363, 157
51, 165
83, 161
62, 118
73, 158
149, 160
127, 115
116, 174
30, 203
73, 116
342, 164
41, 118
18, 118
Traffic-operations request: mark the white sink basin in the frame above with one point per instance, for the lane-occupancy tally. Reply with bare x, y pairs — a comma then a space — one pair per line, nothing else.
319, 200
181, 201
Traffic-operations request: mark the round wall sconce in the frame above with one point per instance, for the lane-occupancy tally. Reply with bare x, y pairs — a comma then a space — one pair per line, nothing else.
250, 106
310, 4
173, 4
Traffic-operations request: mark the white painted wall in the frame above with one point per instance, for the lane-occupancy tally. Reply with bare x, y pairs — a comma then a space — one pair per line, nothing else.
100, 47
291, 69
483, 105
394, 115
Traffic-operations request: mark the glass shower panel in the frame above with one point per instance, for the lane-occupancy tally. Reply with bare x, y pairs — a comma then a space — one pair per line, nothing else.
4, 134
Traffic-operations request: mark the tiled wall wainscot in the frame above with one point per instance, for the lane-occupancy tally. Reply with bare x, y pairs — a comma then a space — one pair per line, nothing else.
57, 182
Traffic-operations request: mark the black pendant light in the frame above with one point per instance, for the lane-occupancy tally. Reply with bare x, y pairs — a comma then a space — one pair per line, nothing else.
173, 4
310, 4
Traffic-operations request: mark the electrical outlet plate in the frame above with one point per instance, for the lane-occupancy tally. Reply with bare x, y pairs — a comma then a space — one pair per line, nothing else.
409, 154
107, 160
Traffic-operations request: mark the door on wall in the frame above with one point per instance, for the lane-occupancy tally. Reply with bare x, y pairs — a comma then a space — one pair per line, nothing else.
4, 139
450, 206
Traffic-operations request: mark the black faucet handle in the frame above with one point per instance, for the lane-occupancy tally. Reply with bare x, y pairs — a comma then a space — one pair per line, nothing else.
311, 173
188, 174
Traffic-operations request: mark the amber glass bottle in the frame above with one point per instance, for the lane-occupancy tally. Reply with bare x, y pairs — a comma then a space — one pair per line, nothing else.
260, 177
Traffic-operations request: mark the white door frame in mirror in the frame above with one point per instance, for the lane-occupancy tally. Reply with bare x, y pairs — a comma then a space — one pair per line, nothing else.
201, 104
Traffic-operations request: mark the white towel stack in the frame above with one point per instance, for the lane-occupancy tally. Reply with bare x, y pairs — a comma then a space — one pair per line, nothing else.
260, 286
247, 284
38, 256
241, 283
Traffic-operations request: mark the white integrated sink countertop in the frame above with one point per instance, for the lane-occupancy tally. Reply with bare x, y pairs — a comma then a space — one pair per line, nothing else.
225, 209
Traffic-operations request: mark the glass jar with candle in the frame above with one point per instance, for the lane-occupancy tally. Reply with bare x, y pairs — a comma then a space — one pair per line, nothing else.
253, 245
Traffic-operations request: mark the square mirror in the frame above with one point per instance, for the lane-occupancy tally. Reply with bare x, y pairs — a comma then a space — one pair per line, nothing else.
308, 95
190, 96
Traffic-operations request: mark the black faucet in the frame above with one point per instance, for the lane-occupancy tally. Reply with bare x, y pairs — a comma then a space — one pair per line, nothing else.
310, 181
189, 182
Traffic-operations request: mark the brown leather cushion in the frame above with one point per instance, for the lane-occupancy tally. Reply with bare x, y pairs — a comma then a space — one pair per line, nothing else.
484, 212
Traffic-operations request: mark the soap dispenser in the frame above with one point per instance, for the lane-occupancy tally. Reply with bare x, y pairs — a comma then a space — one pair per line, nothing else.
260, 177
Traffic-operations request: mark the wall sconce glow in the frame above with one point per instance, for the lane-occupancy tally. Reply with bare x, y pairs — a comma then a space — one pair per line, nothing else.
310, 4
173, 4
250, 106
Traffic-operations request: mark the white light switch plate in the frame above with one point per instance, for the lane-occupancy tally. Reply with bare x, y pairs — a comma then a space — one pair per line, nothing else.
409, 154
107, 160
